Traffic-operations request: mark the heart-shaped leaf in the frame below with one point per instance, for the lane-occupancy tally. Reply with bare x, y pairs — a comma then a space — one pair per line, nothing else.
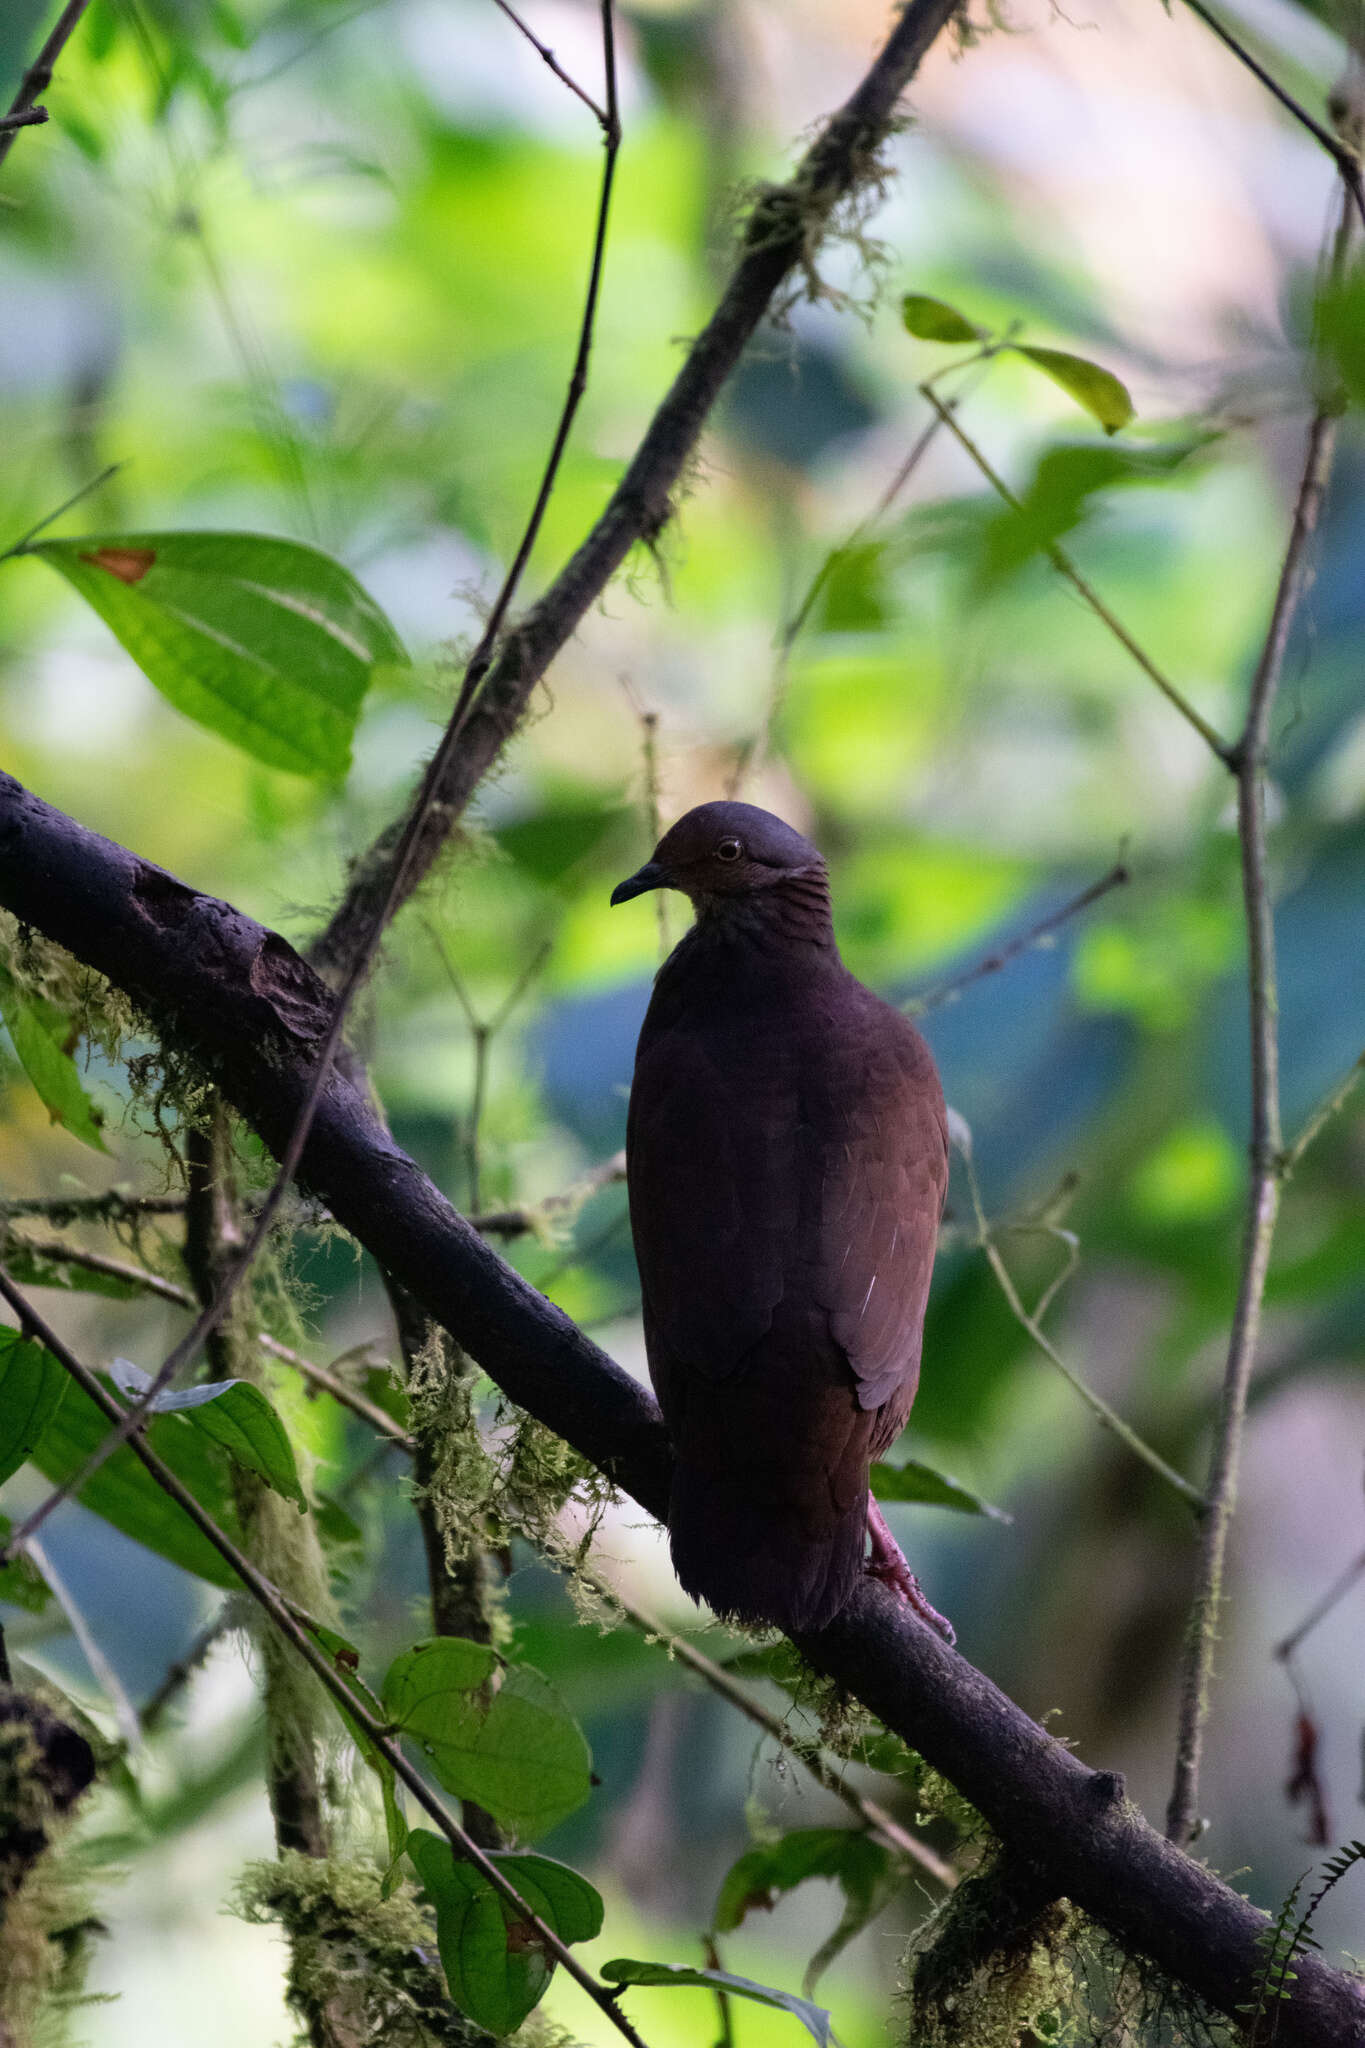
495, 1964
510, 1745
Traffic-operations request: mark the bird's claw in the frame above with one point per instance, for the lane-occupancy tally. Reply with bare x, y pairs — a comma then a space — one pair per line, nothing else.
888, 1566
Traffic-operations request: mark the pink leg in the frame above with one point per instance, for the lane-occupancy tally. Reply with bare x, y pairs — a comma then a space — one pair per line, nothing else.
887, 1563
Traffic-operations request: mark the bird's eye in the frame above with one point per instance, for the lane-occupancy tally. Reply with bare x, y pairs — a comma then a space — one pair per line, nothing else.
729, 849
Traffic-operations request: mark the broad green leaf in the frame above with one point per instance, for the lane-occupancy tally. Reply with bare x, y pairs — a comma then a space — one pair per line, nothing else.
913, 1481
515, 1750
1098, 391
39, 1034
33, 1387
814, 2018
265, 641
935, 320
21, 1582
124, 1492
234, 1414
864, 1871
495, 1966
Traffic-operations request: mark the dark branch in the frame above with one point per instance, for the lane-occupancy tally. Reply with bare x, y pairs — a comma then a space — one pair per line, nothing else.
237, 997
23, 112
781, 236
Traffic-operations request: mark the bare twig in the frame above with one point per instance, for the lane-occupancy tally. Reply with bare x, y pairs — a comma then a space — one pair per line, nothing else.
38, 77
781, 235
535, 1215
1097, 1405
59, 1252
1036, 935
810, 1754
1332, 1103
1065, 566
483, 1031
547, 54
1346, 161
1336, 1592
284, 1614
1248, 760
178, 1675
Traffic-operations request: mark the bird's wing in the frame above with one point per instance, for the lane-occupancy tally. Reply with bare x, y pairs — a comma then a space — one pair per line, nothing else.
711, 1146
883, 1142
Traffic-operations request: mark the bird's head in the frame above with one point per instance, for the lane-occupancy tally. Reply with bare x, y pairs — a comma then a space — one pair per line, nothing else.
723, 850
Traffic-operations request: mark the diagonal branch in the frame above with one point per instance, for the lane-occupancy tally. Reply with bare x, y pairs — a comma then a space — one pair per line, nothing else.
781, 237
23, 112
240, 1000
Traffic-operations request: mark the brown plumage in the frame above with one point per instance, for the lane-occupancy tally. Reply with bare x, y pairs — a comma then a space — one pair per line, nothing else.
787, 1159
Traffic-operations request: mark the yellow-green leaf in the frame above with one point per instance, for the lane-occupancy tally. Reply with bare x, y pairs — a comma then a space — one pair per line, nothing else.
935, 320
1098, 391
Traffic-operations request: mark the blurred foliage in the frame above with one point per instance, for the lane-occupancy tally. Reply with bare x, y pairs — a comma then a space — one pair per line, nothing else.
294, 289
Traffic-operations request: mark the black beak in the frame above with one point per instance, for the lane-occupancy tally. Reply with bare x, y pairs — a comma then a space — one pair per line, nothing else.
651, 876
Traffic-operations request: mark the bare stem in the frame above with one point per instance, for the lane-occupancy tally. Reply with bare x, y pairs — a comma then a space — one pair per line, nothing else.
1331, 1105
23, 112
1248, 761
1036, 935
1065, 566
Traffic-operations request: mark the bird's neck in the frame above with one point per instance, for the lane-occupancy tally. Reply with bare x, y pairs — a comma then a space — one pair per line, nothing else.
793, 914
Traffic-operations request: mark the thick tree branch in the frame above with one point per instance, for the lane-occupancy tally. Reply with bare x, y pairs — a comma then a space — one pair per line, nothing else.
782, 234
241, 1000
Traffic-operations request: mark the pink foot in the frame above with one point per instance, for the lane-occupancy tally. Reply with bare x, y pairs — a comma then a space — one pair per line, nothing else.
887, 1563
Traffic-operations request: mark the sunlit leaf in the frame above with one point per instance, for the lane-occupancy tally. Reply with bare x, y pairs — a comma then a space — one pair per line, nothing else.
814, 2018
915, 1482
496, 1966
234, 1414
513, 1749
935, 320
32, 1388
1098, 391
39, 1033
265, 641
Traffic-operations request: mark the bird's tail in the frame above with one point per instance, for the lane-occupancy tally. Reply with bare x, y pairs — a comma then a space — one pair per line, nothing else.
755, 1557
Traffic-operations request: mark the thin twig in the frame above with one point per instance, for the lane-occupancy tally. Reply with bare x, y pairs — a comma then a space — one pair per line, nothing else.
1036, 935
1065, 566
1097, 1405
124, 1270
1334, 1101
178, 1675
779, 241
1319, 1611
101, 1670
810, 1754
1345, 160
21, 546
38, 77
1248, 761
284, 1613
534, 1215
31, 117
547, 54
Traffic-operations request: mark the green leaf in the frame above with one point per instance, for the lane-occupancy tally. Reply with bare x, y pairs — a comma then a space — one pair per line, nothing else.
863, 1869
814, 2018
232, 1413
125, 1494
1098, 391
32, 1388
39, 1034
269, 643
21, 1582
935, 320
495, 1966
514, 1749
913, 1481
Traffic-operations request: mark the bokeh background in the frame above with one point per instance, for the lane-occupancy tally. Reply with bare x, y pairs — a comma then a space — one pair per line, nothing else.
316, 269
